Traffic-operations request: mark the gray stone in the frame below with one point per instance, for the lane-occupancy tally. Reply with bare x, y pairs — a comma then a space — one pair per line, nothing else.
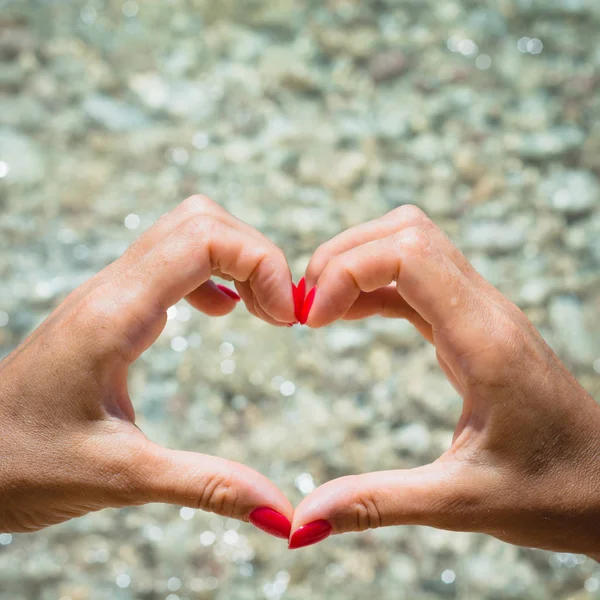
386, 66
549, 144
570, 331
112, 114
495, 237
347, 339
573, 193
24, 157
412, 439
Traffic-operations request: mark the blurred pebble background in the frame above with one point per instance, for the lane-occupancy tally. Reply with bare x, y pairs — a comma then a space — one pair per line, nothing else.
302, 117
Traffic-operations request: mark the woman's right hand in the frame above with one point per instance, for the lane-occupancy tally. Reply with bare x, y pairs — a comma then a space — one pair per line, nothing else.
69, 444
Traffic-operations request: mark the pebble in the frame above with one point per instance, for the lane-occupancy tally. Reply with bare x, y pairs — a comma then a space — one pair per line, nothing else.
550, 144
573, 193
413, 439
25, 159
495, 237
386, 66
112, 114
345, 339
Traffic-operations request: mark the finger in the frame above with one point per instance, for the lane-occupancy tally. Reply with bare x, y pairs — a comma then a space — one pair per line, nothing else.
213, 300
188, 209
386, 302
393, 222
191, 211
245, 290
358, 235
181, 263
209, 483
186, 259
437, 495
468, 317
425, 277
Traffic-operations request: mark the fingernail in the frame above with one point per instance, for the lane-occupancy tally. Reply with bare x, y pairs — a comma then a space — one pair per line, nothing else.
229, 292
310, 534
298, 293
271, 521
308, 302
295, 298
302, 288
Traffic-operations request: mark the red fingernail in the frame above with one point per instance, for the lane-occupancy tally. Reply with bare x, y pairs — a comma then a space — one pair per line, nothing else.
271, 521
298, 292
312, 533
302, 288
295, 297
308, 302
229, 292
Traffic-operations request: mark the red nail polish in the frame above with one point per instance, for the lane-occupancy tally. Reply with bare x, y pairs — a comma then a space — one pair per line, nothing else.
229, 292
302, 288
298, 293
312, 533
308, 302
271, 521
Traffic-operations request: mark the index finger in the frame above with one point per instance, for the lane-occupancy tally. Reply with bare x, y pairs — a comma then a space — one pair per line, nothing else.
425, 277
186, 257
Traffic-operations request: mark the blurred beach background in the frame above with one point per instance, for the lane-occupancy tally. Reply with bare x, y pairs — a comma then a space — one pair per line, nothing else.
302, 117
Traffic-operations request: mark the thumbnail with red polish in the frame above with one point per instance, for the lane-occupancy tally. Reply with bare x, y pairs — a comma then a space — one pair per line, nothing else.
229, 292
309, 534
308, 303
271, 521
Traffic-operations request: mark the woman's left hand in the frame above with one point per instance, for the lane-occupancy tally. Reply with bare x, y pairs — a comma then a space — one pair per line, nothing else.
524, 463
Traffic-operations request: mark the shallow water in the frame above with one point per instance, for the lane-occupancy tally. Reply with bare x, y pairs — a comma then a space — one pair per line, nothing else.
302, 118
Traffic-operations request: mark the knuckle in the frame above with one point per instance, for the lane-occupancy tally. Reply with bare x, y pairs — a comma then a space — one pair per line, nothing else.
409, 213
413, 240
201, 227
520, 318
318, 262
96, 308
218, 495
366, 512
343, 265
198, 204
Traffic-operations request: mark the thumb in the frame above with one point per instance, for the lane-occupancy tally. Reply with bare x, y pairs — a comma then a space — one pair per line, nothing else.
437, 495
212, 484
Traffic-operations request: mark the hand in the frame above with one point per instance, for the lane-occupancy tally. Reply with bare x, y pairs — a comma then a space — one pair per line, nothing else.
524, 464
69, 444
